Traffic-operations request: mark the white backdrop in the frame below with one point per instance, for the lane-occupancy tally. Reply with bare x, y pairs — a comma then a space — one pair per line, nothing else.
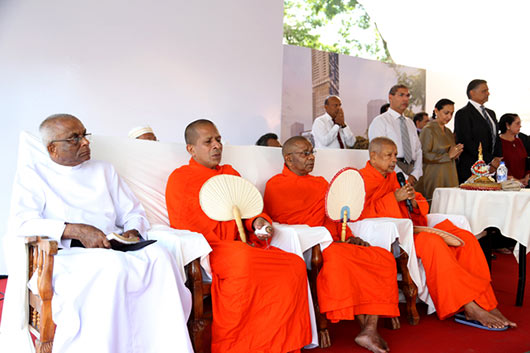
117, 64
457, 41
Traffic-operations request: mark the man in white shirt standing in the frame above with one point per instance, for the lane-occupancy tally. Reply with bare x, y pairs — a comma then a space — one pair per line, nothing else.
402, 131
330, 130
103, 300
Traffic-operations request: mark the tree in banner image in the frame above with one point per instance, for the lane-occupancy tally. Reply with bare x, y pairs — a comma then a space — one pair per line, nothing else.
306, 23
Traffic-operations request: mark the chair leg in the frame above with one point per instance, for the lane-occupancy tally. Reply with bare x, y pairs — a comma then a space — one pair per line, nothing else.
196, 332
45, 272
322, 323
197, 322
409, 290
43, 347
392, 323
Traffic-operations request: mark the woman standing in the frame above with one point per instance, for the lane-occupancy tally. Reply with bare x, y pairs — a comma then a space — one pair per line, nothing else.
439, 151
513, 151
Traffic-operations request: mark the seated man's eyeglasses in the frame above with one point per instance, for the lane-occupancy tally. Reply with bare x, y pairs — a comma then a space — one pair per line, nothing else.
305, 153
75, 140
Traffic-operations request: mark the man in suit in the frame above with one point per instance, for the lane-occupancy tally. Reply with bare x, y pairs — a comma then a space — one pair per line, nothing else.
475, 124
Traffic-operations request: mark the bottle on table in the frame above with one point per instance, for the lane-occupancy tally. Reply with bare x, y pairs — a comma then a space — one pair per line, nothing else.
502, 173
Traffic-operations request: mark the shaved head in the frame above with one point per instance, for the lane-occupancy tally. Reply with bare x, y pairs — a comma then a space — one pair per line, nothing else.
291, 144
383, 155
191, 134
204, 143
376, 145
298, 155
51, 126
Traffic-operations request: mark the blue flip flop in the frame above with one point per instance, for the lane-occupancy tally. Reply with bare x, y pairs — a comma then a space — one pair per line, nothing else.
461, 319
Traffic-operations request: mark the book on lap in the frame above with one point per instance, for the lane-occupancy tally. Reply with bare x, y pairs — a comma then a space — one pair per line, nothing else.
121, 243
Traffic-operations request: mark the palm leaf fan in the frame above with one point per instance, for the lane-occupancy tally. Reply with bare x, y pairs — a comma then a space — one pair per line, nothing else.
229, 197
345, 197
450, 239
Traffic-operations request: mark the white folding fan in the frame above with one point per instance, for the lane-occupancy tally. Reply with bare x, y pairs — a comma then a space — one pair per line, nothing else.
345, 197
229, 197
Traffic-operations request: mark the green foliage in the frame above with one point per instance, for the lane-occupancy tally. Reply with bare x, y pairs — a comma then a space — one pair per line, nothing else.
306, 20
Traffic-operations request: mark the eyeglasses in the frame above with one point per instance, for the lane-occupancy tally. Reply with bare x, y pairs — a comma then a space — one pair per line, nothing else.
305, 153
74, 140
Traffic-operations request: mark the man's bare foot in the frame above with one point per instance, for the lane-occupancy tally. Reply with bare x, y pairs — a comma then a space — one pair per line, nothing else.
372, 341
498, 313
475, 312
369, 338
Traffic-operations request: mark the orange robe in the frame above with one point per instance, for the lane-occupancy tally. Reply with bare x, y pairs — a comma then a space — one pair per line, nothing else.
259, 297
354, 279
455, 275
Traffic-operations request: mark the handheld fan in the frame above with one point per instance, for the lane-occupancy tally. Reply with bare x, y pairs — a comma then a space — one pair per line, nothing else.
229, 197
345, 197
450, 239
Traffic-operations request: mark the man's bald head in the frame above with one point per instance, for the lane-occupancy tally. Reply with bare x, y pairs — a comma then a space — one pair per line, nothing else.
383, 155
191, 134
204, 143
298, 155
377, 144
52, 125
291, 144
66, 139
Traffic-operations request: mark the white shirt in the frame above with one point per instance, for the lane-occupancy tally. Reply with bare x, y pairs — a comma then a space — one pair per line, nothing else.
325, 133
388, 125
49, 194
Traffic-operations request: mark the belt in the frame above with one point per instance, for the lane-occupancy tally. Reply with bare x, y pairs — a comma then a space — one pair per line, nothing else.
402, 160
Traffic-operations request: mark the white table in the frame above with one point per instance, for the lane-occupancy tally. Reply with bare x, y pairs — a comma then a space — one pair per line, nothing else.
507, 210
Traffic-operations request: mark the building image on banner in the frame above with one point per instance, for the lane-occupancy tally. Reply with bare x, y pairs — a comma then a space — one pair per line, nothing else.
310, 75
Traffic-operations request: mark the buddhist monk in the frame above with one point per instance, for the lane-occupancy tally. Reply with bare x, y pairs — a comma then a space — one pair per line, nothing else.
458, 278
356, 281
259, 297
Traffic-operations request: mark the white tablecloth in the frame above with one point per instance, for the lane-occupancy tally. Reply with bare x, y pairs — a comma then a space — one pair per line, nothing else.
507, 210
184, 245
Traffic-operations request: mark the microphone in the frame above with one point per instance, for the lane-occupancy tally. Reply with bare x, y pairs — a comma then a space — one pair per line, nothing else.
402, 182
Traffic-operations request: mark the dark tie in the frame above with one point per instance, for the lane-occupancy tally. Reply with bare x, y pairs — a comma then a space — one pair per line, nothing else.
490, 124
341, 144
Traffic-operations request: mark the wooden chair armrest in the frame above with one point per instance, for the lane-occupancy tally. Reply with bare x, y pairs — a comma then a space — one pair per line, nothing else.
316, 258
45, 244
196, 287
41, 256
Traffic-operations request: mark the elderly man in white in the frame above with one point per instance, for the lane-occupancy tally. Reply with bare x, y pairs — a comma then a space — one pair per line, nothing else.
104, 300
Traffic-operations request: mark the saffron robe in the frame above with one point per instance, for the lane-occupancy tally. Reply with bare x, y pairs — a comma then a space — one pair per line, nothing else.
354, 279
455, 275
259, 297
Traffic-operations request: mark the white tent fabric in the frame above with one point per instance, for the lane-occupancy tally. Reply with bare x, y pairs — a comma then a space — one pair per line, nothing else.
457, 41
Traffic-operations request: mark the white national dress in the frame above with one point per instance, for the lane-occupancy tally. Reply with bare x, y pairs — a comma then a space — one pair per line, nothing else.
104, 300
